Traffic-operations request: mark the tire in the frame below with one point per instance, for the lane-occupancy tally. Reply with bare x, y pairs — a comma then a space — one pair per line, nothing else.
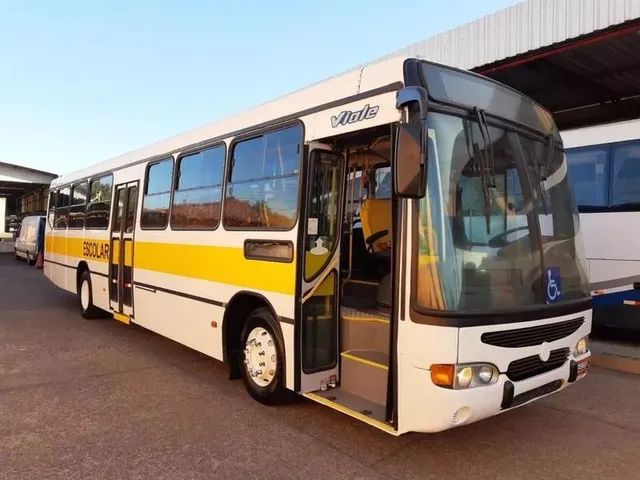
262, 375
85, 297
30, 261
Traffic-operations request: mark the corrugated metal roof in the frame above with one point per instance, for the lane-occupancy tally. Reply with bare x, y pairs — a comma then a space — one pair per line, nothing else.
524, 27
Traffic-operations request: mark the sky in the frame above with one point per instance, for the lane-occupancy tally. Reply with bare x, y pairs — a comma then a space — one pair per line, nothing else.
84, 81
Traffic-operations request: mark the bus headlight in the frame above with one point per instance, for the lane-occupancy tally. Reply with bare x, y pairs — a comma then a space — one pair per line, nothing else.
464, 376
582, 347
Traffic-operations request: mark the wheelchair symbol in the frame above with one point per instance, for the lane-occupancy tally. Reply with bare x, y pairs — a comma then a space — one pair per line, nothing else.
553, 287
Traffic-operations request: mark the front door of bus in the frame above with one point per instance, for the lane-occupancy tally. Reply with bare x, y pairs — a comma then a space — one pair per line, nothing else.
121, 251
317, 326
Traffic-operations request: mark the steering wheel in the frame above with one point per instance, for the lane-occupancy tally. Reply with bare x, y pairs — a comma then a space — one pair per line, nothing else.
373, 238
500, 240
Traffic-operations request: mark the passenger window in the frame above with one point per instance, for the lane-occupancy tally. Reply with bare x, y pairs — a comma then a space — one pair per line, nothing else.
262, 192
589, 175
625, 181
60, 218
52, 207
157, 195
99, 206
132, 203
78, 204
196, 200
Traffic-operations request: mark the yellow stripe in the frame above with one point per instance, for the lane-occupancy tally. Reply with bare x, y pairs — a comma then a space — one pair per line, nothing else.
355, 358
204, 262
357, 318
90, 249
121, 318
352, 413
216, 264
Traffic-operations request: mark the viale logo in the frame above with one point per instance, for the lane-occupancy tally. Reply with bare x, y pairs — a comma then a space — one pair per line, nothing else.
347, 116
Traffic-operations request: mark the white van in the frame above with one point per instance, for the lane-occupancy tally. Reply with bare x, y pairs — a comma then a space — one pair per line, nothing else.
27, 241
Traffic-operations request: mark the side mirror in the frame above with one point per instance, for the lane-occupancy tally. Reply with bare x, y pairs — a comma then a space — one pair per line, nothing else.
410, 158
410, 161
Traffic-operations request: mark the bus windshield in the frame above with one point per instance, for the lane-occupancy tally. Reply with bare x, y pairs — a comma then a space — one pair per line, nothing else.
498, 228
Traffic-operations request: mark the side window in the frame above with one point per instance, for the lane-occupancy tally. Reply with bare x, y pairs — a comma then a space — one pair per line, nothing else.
157, 195
52, 207
625, 178
262, 191
198, 190
99, 205
60, 218
589, 175
78, 205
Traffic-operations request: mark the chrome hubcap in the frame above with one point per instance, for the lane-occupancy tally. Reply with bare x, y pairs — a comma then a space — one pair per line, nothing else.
84, 294
260, 356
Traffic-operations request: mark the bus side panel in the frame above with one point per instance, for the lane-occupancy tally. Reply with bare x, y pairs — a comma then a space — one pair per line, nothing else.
184, 320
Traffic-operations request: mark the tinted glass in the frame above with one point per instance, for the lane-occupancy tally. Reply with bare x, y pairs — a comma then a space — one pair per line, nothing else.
202, 169
589, 175
63, 197
319, 335
52, 207
118, 210
155, 205
196, 201
464, 88
99, 205
79, 195
322, 211
159, 177
625, 179
61, 214
263, 190
132, 203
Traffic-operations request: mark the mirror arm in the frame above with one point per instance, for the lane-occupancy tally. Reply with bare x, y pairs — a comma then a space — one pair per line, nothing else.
413, 95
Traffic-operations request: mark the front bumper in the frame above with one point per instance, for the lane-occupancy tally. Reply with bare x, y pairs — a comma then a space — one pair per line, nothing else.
431, 408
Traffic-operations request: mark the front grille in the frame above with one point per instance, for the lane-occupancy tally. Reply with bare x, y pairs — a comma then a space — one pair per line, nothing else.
531, 366
529, 336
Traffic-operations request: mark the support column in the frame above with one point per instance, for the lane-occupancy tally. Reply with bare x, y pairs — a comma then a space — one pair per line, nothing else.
3, 216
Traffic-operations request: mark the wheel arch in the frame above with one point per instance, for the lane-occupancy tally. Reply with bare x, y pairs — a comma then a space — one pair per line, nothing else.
80, 269
236, 313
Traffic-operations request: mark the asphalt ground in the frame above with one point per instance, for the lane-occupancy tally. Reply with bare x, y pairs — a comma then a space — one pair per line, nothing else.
97, 399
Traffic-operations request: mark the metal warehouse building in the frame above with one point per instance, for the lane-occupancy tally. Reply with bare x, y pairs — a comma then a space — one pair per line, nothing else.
578, 58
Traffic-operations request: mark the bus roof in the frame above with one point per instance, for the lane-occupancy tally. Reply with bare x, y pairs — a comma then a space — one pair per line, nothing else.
362, 79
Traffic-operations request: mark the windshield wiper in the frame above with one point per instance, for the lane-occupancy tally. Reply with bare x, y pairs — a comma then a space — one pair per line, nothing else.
487, 163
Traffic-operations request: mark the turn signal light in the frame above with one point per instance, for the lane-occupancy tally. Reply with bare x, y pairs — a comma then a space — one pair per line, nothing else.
442, 375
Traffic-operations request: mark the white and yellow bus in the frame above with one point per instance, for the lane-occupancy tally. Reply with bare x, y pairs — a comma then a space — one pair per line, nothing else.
399, 243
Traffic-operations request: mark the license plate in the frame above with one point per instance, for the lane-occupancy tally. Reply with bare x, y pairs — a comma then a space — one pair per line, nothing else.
583, 366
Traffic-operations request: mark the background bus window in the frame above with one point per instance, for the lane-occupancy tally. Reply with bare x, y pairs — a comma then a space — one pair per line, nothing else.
625, 179
263, 187
99, 206
78, 204
198, 191
589, 175
62, 208
157, 194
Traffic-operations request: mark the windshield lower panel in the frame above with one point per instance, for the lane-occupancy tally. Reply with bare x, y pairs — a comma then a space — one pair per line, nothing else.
486, 242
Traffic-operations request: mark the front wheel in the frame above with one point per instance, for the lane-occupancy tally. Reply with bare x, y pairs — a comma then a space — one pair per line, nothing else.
261, 358
85, 297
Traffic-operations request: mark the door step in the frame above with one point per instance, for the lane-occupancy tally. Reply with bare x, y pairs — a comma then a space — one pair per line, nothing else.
364, 374
354, 406
359, 293
364, 330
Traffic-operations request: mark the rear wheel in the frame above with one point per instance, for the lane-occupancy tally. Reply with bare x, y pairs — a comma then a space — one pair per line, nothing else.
85, 297
261, 358
30, 261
